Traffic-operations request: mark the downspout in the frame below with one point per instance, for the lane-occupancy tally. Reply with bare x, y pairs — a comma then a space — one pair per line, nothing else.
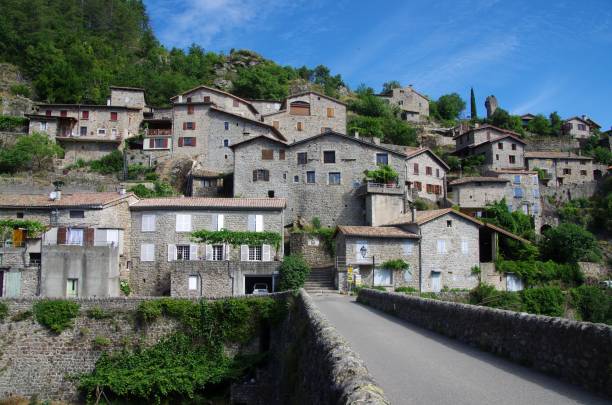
420, 262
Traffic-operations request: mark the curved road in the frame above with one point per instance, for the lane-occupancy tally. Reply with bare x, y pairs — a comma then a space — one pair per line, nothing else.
416, 366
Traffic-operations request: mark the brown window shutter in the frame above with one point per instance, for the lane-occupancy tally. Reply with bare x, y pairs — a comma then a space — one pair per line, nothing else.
254, 175
61, 235
18, 237
193, 141
151, 143
89, 236
180, 142
194, 126
281, 154
165, 143
184, 126
266, 174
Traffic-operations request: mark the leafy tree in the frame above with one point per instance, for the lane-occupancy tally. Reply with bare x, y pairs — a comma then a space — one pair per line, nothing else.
516, 222
502, 119
569, 243
555, 123
473, 112
35, 151
449, 106
539, 125
602, 155
390, 85
293, 273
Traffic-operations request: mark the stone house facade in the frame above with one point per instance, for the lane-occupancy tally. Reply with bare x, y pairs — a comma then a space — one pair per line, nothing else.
413, 105
562, 168
221, 99
305, 114
168, 261
579, 127
426, 174
321, 176
502, 149
364, 249
474, 193
84, 251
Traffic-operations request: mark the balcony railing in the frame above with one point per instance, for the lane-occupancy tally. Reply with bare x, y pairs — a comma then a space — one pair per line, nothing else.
159, 132
382, 188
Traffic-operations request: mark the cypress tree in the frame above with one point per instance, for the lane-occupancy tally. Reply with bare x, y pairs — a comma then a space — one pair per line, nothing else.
473, 113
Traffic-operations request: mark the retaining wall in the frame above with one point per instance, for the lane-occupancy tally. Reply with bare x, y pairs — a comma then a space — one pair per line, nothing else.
577, 352
315, 365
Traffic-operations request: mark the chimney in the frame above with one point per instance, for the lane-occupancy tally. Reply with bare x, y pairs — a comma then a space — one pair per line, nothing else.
413, 210
122, 191
584, 117
55, 195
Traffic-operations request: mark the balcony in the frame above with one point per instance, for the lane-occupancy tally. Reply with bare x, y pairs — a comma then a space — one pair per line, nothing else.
158, 132
381, 188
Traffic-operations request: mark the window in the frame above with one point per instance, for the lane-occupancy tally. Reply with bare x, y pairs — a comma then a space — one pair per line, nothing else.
428, 171
299, 108
536, 193
267, 154
77, 214
226, 143
159, 143
255, 223
206, 99
334, 178
147, 223
330, 112
325, 129
496, 156
418, 185
63, 113
217, 252
382, 159
281, 154
382, 277
261, 175
189, 99
275, 124
310, 177
513, 146
190, 109
464, 246
101, 131
518, 192
583, 172
226, 125
408, 247
415, 168
500, 146
187, 141
438, 173
72, 288
218, 222
189, 125
270, 193
581, 127
441, 246
429, 188
48, 113
113, 116
449, 223
582, 162
255, 253
300, 126
302, 158
182, 252
296, 179
74, 236
20, 215
83, 131
84, 115
43, 126
512, 159
147, 252
517, 179
567, 171
329, 156
194, 283
236, 103
183, 223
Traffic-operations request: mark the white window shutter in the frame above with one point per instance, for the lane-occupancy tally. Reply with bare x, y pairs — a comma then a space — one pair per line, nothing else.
226, 252
259, 226
464, 247
215, 223
220, 222
193, 252
251, 223
171, 253
148, 223
244, 253
408, 248
179, 222
147, 252
209, 252
265, 253
183, 222
187, 223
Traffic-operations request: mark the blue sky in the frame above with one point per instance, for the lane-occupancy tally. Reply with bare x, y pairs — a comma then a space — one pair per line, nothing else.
535, 55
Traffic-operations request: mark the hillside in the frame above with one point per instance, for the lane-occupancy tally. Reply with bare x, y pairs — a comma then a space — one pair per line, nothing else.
71, 51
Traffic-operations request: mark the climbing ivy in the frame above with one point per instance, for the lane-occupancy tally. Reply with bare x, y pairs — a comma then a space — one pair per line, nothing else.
56, 315
237, 238
395, 264
3, 311
33, 228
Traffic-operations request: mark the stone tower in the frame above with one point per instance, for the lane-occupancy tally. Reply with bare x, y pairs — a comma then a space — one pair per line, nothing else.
491, 105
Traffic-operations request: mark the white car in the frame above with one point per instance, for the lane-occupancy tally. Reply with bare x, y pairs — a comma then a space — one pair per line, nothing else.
260, 289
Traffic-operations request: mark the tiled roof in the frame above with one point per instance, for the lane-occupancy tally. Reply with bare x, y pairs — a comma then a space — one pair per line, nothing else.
466, 180
555, 155
210, 202
423, 217
225, 93
487, 126
255, 122
376, 231
513, 171
254, 138
410, 153
85, 200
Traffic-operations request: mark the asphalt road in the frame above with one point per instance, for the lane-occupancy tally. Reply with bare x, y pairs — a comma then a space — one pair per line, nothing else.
416, 366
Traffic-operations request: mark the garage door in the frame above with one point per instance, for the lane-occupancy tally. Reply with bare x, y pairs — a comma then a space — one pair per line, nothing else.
250, 281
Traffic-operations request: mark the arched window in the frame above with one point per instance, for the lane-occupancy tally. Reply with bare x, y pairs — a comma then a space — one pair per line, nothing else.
299, 108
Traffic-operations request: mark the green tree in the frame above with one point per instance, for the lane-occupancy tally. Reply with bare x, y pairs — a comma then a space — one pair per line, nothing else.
502, 119
293, 273
569, 243
390, 85
555, 123
35, 151
473, 112
450, 106
539, 125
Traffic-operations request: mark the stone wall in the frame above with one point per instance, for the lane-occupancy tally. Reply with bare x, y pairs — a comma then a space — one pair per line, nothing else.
311, 247
315, 365
577, 352
561, 143
568, 192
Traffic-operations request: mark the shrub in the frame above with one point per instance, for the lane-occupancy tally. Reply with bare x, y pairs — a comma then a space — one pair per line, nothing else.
569, 243
98, 313
35, 151
378, 288
406, 290
537, 272
100, 342
21, 316
293, 273
395, 264
543, 301
109, 164
487, 295
593, 303
384, 174
151, 176
161, 189
56, 315
20, 90
3, 311
10, 123
125, 288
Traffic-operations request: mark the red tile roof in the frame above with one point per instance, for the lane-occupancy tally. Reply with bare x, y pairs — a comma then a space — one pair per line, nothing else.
555, 155
255, 122
411, 152
210, 202
423, 217
488, 126
84, 200
466, 180
376, 231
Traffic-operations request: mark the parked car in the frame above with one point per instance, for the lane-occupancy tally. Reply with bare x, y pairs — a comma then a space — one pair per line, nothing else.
260, 289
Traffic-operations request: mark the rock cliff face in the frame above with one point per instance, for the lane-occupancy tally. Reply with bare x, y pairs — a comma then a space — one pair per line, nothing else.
13, 91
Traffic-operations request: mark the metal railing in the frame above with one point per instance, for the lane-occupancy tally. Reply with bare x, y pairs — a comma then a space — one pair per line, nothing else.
158, 132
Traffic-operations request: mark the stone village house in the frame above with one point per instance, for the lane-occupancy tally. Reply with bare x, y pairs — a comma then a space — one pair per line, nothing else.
414, 106
84, 251
563, 168
579, 127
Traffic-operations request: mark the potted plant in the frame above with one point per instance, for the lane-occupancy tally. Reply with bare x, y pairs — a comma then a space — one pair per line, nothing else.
385, 174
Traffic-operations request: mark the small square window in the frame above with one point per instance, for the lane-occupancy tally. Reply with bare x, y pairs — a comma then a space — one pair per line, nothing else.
226, 125
113, 116
329, 156
194, 282
20, 215
270, 193
296, 179
189, 99
190, 109
449, 223
77, 214
300, 126
302, 158
310, 177
182, 252
226, 143
334, 178
281, 154
84, 115
382, 159
512, 159
83, 131
500, 146
513, 146
207, 99
267, 154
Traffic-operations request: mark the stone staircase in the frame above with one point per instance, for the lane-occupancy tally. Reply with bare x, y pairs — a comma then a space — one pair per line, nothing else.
321, 279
